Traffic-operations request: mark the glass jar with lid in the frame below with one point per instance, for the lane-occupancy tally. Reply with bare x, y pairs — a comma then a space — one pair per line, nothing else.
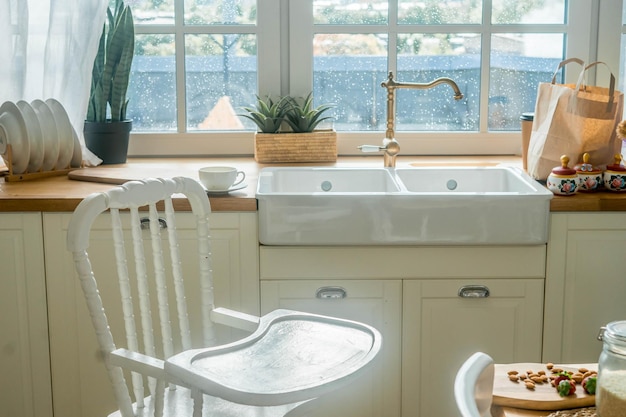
611, 389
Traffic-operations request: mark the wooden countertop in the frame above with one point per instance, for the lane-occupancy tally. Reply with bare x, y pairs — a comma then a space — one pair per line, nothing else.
63, 194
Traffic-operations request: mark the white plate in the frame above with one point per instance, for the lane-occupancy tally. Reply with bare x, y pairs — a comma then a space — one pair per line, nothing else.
35, 136
64, 128
231, 189
13, 131
77, 156
50, 135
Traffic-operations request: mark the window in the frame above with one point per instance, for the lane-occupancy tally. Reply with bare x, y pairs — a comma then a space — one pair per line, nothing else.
198, 62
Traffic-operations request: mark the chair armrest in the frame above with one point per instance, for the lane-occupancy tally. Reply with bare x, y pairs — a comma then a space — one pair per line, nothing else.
138, 362
235, 319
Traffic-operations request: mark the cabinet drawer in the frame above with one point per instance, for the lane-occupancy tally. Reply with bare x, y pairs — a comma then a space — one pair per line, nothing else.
384, 262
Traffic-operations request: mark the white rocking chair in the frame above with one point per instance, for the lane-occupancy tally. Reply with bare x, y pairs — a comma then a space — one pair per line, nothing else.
289, 359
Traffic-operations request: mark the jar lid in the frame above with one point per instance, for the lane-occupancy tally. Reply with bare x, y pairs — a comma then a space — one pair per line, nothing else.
564, 169
617, 164
530, 116
616, 331
586, 167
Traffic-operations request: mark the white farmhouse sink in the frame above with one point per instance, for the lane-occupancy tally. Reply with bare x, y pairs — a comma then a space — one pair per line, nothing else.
402, 206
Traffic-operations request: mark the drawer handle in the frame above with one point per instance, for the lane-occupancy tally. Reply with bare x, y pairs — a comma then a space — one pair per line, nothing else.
473, 291
334, 293
144, 223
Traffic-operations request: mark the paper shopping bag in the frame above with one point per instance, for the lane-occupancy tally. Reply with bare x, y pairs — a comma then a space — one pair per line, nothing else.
572, 120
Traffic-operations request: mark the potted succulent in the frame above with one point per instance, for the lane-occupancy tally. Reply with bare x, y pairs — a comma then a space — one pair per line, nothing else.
287, 131
267, 114
107, 129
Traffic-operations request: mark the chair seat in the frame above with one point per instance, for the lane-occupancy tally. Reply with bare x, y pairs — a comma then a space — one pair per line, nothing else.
178, 403
292, 356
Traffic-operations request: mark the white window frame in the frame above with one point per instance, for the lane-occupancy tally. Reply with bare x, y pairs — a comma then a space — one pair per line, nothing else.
285, 34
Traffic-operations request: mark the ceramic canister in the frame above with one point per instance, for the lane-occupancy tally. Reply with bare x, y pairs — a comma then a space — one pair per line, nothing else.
615, 175
563, 180
589, 177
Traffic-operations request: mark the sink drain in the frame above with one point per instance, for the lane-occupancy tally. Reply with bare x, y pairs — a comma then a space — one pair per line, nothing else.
451, 185
326, 185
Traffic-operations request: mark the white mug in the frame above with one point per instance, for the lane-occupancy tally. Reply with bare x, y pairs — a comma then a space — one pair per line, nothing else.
220, 178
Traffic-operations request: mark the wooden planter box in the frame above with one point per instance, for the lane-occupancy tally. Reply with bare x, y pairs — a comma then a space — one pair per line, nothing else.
316, 146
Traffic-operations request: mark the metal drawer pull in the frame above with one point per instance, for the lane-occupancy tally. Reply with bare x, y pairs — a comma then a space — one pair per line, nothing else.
144, 223
331, 293
474, 291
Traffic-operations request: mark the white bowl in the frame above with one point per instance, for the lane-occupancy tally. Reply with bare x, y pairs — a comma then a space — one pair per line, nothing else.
13, 132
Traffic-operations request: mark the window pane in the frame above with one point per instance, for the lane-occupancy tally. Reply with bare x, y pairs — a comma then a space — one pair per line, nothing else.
436, 12
348, 12
424, 57
536, 11
203, 12
152, 89
221, 76
519, 62
145, 12
347, 72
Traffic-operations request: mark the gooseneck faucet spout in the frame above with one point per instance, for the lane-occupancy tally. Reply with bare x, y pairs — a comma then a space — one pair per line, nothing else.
390, 145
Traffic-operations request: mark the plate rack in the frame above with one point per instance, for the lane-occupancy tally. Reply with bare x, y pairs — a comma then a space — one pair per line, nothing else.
25, 176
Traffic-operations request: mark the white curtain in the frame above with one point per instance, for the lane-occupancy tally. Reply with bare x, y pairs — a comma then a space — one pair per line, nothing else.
47, 48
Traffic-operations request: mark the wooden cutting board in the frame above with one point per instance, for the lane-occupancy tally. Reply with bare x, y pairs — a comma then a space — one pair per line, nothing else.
544, 396
128, 172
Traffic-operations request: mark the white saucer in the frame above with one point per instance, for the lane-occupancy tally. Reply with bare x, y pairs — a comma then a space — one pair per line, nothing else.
233, 188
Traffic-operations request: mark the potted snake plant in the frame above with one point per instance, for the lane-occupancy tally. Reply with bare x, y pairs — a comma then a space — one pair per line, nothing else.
287, 131
107, 129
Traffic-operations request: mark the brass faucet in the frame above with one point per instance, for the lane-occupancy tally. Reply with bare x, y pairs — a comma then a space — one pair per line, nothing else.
390, 145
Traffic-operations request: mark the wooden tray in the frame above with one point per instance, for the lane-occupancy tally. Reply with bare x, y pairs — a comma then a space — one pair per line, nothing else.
544, 397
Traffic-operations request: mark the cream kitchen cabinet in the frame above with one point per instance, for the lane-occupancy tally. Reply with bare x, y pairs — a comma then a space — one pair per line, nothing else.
25, 388
443, 328
429, 331
79, 381
585, 283
308, 279
447, 316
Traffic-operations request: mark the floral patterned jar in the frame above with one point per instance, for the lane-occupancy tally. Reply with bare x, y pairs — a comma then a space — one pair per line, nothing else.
615, 175
589, 177
563, 180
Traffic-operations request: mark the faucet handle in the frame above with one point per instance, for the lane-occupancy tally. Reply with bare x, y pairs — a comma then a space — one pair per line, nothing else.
371, 148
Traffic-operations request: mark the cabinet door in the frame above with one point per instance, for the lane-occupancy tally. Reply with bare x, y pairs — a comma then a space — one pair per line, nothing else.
25, 388
441, 330
377, 303
80, 384
585, 285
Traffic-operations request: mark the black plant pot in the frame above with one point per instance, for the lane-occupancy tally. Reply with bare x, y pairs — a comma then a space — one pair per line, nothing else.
108, 140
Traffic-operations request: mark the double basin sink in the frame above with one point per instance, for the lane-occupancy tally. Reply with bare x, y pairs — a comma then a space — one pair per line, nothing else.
401, 206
